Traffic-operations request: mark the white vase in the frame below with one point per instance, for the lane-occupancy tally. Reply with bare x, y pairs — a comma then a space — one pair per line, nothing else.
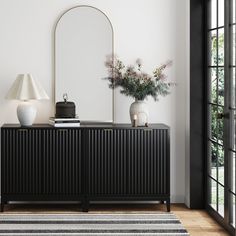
140, 110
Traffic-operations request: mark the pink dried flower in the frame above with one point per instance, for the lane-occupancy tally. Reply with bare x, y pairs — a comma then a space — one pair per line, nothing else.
166, 65
162, 77
130, 68
139, 62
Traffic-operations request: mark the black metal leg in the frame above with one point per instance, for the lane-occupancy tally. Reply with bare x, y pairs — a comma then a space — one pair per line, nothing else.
162, 202
85, 205
168, 205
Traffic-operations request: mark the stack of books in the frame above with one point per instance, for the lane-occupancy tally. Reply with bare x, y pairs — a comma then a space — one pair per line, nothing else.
64, 122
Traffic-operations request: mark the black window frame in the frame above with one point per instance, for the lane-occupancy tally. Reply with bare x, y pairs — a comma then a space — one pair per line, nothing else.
199, 107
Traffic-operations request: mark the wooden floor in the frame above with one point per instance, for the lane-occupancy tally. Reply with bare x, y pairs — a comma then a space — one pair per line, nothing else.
197, 222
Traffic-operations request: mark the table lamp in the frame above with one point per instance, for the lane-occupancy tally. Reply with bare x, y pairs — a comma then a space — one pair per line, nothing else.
25, 88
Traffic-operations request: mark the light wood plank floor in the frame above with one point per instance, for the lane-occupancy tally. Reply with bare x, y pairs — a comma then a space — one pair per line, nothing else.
197, 222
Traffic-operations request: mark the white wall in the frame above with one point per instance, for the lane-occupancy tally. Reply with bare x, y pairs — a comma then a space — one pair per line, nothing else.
154, 30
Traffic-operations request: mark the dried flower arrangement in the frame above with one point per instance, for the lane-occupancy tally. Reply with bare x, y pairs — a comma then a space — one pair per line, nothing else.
134, 82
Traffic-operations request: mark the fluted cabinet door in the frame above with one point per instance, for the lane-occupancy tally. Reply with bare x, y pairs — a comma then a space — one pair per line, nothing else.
106, 162
147, 157
21, 161
62, 162
128, 162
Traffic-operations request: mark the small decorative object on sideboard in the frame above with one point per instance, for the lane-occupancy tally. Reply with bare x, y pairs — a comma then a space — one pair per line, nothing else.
134, 124
64, 122
65, 109
25, 88
65, 114
138, 85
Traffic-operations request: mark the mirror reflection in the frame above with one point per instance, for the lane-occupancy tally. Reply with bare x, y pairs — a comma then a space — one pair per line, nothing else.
83, 39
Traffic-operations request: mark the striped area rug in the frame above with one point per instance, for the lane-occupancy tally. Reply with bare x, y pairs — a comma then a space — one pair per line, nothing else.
91, 224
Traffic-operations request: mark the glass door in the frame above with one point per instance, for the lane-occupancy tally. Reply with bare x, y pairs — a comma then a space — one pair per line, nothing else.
232, 114
221, 111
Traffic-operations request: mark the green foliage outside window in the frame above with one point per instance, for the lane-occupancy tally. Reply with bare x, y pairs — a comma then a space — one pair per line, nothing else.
217, 97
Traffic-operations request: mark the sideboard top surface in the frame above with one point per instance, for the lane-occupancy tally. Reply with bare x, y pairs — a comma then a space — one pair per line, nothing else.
84, 126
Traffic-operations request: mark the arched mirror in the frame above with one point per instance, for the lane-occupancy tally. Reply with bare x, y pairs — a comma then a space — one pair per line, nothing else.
83, 39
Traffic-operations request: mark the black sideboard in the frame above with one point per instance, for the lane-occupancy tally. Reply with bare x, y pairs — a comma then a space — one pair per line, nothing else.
91, 163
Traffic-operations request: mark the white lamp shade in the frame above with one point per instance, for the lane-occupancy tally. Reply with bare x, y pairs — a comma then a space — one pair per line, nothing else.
26, 88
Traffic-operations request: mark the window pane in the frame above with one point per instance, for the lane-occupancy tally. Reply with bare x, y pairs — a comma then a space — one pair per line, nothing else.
221, 86
233, 89
232, 209
214, 122
213, 199
221, 9
221, 165
213, 8
233, 44
233, 11
213, 95
217, 124
234, 138
220, 127
213, 170
221, 47
232, 162
221, 200
213, 47
234, 135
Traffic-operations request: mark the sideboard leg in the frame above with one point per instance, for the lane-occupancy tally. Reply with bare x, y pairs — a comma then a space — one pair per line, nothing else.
2, 207
85, 205
168, 205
